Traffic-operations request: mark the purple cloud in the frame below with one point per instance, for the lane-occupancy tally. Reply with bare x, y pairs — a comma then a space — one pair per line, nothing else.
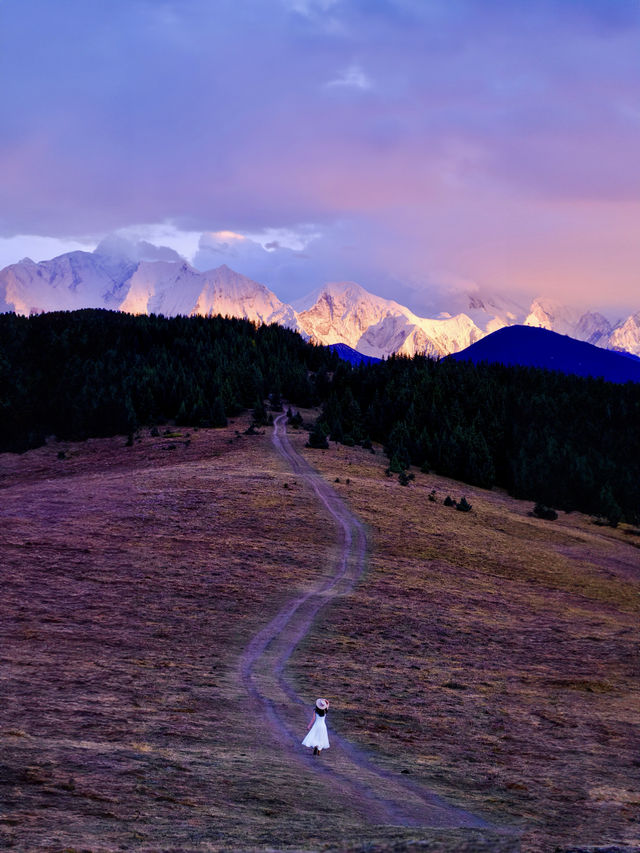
454, 131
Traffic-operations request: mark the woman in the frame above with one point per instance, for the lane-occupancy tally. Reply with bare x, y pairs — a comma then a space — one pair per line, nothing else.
317, 736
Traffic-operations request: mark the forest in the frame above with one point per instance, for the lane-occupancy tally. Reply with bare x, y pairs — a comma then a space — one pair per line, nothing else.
97, 373
564, 441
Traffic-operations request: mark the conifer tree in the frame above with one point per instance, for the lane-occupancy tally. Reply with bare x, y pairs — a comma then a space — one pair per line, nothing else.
318, 437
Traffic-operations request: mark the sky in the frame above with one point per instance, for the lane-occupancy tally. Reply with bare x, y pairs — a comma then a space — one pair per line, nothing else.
419, 147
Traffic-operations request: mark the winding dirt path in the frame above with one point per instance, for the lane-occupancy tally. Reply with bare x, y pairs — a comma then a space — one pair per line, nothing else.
379, 795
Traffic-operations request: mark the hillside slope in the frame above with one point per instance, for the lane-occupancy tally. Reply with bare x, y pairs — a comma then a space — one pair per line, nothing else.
488, 655
529, 346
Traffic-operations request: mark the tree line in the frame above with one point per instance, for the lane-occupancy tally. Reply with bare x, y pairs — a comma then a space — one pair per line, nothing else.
563, 441
98, 373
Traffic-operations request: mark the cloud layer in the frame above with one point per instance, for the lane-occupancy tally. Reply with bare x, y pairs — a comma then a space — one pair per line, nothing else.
418, 141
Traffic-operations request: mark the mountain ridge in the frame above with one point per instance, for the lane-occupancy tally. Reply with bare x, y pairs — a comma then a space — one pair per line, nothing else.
147, 279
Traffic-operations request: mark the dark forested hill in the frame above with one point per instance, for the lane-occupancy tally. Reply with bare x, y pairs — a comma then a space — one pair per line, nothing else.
567, 441
95, 372
533, 347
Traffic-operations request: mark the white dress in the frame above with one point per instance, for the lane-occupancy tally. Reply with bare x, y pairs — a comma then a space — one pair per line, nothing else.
317, 734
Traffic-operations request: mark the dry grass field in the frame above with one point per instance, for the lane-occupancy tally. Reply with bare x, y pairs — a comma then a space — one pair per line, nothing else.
488, 655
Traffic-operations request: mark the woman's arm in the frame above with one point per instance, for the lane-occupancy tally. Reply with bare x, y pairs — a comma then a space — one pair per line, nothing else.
313, 719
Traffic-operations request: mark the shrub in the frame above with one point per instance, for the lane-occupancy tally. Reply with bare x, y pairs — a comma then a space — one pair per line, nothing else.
294, 420
260, 417
448, 501
432, 496
218, 417
397, 465
463, 505
542, 511
609, 507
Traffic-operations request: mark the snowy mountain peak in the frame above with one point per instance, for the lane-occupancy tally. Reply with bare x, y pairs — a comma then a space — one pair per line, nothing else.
160, 287
344, 312
156, 285
546, 313
592, 327
626, 336
141, 278
335, 288
229, 293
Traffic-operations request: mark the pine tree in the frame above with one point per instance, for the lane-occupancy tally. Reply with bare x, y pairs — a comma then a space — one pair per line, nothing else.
397, 447
609, 508
218, 416
318, 437
260, 417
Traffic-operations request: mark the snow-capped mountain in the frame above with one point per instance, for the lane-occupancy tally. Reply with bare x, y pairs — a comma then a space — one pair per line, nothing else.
626, 335
547, 314
74, 280
143, 278
228, 293
490, 312
170, 287
344, 312
592, 327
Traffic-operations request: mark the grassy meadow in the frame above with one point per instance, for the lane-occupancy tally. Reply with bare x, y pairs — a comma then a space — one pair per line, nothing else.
489, 655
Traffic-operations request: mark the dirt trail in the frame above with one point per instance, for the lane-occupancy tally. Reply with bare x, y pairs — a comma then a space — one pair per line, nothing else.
379, 795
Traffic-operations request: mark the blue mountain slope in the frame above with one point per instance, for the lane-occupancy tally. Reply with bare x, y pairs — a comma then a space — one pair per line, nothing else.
533, 347
351, 355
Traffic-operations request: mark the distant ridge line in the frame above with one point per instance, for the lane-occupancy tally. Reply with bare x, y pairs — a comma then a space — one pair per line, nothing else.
145, 279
